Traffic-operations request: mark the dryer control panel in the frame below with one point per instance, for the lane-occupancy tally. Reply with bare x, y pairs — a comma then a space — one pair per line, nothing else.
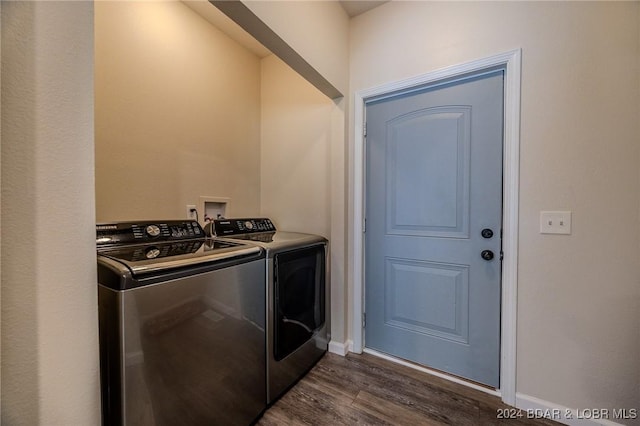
224, 227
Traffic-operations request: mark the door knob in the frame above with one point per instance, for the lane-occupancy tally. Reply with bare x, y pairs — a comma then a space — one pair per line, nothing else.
486, 233
487, 254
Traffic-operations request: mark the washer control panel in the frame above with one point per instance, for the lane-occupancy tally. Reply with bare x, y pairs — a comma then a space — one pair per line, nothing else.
242, 226
146, 232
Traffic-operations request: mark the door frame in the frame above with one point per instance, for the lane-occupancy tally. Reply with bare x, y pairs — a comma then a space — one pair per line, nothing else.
511, 61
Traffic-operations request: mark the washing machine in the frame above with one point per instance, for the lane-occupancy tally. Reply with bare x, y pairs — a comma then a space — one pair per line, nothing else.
297, 297
182, 326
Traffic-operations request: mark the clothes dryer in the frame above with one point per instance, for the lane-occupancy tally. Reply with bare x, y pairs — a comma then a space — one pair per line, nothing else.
297, 297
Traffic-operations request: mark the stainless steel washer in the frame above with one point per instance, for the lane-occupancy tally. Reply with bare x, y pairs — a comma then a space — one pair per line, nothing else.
182, 326
297, 297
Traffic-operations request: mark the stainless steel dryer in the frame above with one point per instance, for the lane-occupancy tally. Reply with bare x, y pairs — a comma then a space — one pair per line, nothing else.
297, 297
182, 326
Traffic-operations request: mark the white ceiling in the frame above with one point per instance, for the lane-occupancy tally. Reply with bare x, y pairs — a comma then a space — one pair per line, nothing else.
356, 7
231, 29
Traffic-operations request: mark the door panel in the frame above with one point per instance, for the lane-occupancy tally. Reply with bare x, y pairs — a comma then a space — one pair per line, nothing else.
434, 181
422, 165
444, 290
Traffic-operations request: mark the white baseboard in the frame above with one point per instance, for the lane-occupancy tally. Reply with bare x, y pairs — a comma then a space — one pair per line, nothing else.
532, 407
340, 348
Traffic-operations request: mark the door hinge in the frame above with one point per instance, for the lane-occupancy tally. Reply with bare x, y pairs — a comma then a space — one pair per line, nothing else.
364, 130
364, 320
364, 225
501, 255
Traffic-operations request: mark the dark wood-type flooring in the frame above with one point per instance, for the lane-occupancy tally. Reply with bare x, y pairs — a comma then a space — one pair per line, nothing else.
367, 390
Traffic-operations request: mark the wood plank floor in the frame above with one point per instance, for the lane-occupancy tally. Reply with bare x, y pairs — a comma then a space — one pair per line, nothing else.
367, 390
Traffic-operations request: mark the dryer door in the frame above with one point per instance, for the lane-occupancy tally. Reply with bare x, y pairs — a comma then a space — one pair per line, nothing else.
299, 284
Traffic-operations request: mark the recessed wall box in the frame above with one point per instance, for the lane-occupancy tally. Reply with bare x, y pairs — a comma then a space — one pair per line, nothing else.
213, 208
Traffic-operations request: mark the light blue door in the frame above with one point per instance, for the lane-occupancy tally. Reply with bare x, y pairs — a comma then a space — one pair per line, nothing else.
433, 226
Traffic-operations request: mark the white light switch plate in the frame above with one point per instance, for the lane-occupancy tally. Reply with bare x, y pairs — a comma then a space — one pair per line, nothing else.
556, 222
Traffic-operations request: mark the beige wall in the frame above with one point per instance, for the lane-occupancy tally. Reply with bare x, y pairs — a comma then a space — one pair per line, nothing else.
578, 295
296, 150
317, 30
49, 315
302, 167
177, 113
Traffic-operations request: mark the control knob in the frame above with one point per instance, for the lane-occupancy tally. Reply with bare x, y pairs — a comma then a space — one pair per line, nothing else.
152, 230
152, 253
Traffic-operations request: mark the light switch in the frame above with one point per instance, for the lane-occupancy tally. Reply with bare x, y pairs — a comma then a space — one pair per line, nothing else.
557, 222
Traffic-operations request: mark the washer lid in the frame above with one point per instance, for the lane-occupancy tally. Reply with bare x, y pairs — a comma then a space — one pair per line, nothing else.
149, 258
